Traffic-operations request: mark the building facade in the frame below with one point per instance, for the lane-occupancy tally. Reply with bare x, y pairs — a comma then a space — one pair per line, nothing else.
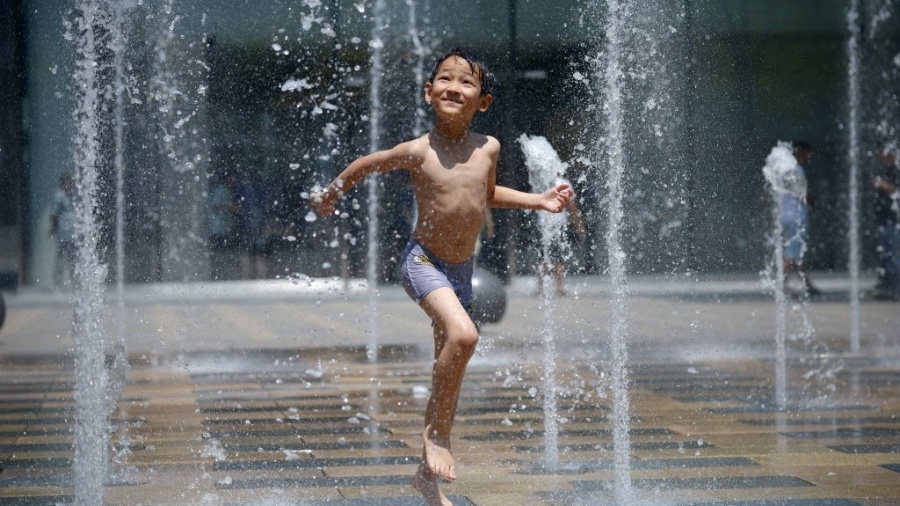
213, 121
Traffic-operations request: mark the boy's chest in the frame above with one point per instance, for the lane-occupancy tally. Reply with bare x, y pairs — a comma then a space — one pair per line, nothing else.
450, 172
459, 177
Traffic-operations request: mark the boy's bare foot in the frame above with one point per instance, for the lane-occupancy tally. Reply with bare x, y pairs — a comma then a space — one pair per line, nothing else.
438, 457
426, 484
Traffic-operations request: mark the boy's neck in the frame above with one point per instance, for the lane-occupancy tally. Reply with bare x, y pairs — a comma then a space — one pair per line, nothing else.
450, 132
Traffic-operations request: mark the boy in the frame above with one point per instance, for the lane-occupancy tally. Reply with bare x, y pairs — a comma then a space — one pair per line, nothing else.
795, 204
453, 173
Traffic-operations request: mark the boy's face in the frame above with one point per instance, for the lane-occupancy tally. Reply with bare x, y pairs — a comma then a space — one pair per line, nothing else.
888, 157
456, 89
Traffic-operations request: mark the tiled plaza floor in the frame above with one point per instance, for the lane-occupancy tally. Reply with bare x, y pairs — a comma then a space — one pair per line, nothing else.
319, 423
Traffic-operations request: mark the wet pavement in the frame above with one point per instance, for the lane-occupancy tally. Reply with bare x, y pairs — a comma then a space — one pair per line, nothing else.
262, 393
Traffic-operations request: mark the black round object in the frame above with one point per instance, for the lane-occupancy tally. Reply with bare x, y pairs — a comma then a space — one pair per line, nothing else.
489, 293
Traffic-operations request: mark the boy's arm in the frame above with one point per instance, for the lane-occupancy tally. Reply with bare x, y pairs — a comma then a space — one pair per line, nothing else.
488, 223
575, 216
400, 156
882, 185
554, 200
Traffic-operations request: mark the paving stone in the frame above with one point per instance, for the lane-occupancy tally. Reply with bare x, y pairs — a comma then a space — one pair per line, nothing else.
587, 447
51, 500
384, 501
29, 448
718, 482
35, 463
786, 502
772, 408
518, 435
321, 481
36, 430
856, 420
842, 433
242, 465
348, 446
867, 448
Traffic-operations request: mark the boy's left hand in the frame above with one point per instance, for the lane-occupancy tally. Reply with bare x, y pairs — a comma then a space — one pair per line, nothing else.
557, 198
323, 202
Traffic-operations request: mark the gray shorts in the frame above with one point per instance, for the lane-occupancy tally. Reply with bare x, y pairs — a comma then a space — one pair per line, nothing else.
795, 234
422, 272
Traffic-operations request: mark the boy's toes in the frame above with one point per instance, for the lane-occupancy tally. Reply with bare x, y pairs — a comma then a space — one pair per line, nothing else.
444, 472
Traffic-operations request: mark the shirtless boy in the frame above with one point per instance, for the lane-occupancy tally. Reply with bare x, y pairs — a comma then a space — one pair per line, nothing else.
453, 172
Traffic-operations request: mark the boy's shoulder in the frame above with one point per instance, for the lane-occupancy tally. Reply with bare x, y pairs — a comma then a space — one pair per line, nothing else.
483, 141
487, 142
487, 139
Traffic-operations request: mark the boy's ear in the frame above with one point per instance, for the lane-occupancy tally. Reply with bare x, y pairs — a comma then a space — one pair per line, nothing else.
485, 102
428, 92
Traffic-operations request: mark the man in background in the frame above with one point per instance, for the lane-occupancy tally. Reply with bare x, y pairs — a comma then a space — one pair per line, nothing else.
885, 181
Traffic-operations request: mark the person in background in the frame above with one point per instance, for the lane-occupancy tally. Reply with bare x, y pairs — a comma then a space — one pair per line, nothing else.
221, 211
559, 247
252, 202
795, 204
62, 228
885, 181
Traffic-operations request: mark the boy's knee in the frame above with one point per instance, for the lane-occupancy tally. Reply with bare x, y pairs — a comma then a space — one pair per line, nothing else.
465, 336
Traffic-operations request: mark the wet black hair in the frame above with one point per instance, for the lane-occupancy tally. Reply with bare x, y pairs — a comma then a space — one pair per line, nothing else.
487, 77
801, 146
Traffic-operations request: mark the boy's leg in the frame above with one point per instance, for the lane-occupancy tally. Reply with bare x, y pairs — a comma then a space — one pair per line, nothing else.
440, 338
559, 273
455, 338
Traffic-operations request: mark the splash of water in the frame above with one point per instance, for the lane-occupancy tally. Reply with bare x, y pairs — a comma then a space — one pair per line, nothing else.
777, 171
783, 179
375, 110
611, 74
420, 51
179, 115
544, 170
91, 378
853, 189
119, 367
